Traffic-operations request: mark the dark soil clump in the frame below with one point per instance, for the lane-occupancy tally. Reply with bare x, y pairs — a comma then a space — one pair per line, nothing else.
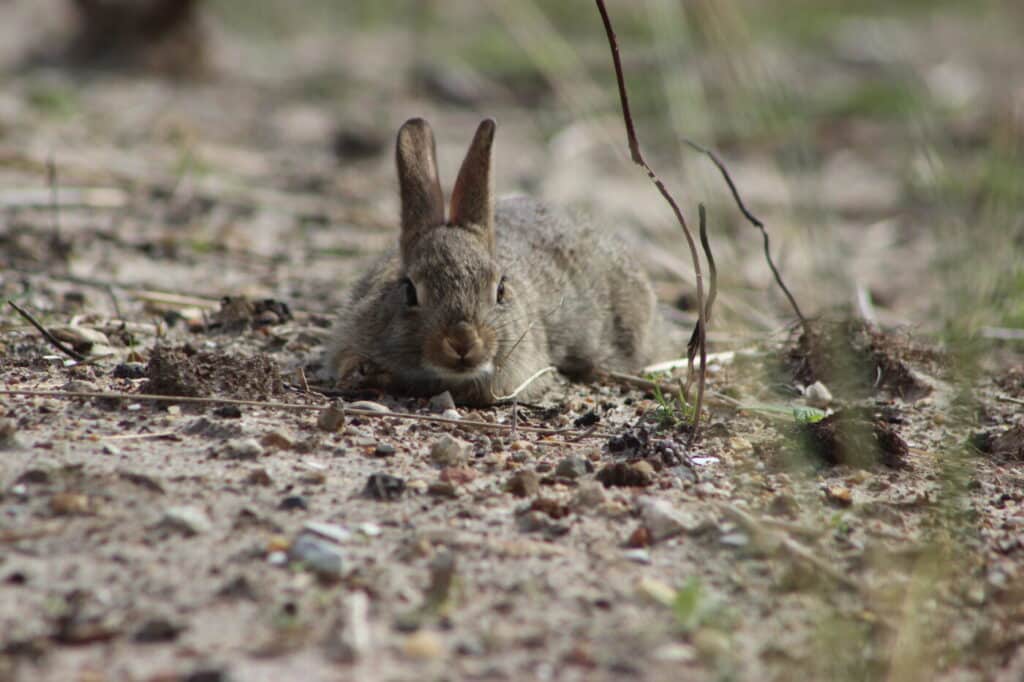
843, 438
854, 358
1006, 445
185, 372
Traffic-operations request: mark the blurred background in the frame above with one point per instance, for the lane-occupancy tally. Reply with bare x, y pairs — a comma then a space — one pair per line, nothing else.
247, 144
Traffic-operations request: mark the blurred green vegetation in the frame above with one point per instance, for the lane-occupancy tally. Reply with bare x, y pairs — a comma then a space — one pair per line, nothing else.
710, 70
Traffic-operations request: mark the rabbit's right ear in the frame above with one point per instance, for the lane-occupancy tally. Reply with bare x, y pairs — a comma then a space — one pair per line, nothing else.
422, 200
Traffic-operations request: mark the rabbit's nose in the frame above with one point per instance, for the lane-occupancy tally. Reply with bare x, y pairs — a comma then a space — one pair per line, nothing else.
462, 338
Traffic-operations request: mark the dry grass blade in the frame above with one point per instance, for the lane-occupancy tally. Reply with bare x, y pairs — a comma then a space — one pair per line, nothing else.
637, 156
756, 222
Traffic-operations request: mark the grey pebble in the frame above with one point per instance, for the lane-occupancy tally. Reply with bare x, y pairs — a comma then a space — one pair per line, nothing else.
323, 557
190, 520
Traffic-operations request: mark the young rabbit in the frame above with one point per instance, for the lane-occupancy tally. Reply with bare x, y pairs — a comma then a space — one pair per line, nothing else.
478, 302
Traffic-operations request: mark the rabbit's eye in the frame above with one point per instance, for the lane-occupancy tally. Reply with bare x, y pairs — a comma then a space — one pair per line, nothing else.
499, 295
410, 293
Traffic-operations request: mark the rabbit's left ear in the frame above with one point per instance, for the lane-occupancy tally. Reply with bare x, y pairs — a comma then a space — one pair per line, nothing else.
472, 203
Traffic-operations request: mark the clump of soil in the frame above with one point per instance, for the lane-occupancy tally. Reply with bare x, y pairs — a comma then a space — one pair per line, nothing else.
1007, 445
187, 372
844, 438
1012, 381
854, 358
163, 36
238, 313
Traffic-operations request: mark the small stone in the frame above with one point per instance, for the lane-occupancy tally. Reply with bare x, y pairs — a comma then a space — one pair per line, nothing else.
739, 444
67, 504
538, 521
640, 537
157, 630
839, 496
313, 478
277, 440
637, 556
368, 405
552, 508
130, 370
975, 595
523, 483
319, 555
663, 520
451, 414
675, 652
384, 487
34, 477
636, 474
735, 539
369, 529
259, 477
711, 644
423, 645
589, 494
225, 411
384, 450
442, 402
573, 468
450, 451
458, 475
818, 395
331, 418
189, 520
442, 489
80, 386
519, 445
242, 449
784, 504
329, 531
293, 503
656, 591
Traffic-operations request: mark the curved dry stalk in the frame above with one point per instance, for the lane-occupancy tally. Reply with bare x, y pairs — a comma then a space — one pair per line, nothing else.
756, 222
637, 156
695, 339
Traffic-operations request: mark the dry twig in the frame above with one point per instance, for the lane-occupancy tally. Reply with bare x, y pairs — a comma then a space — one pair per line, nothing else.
634, 150
53, 340
372, 414
756, 222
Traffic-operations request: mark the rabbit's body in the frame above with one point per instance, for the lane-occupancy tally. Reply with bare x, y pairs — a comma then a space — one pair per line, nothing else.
478, 304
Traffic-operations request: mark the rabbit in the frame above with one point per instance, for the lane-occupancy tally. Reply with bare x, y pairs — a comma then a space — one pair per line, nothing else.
477, 302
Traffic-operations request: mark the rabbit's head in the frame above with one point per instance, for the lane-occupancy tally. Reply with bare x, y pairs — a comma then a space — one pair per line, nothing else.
450, 290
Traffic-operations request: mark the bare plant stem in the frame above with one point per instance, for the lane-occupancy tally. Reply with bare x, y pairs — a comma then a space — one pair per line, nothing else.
756, 222
635, 154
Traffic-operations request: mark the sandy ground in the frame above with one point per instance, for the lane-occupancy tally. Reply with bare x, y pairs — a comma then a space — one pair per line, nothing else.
154, 540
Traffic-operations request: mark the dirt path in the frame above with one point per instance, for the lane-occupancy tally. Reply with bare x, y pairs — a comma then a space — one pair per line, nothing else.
154, 540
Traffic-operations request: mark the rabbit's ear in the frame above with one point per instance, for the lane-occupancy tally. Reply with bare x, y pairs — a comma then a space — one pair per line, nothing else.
473, 195
422, 200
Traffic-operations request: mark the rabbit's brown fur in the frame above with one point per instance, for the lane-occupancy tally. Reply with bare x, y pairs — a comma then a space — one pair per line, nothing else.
479, 302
